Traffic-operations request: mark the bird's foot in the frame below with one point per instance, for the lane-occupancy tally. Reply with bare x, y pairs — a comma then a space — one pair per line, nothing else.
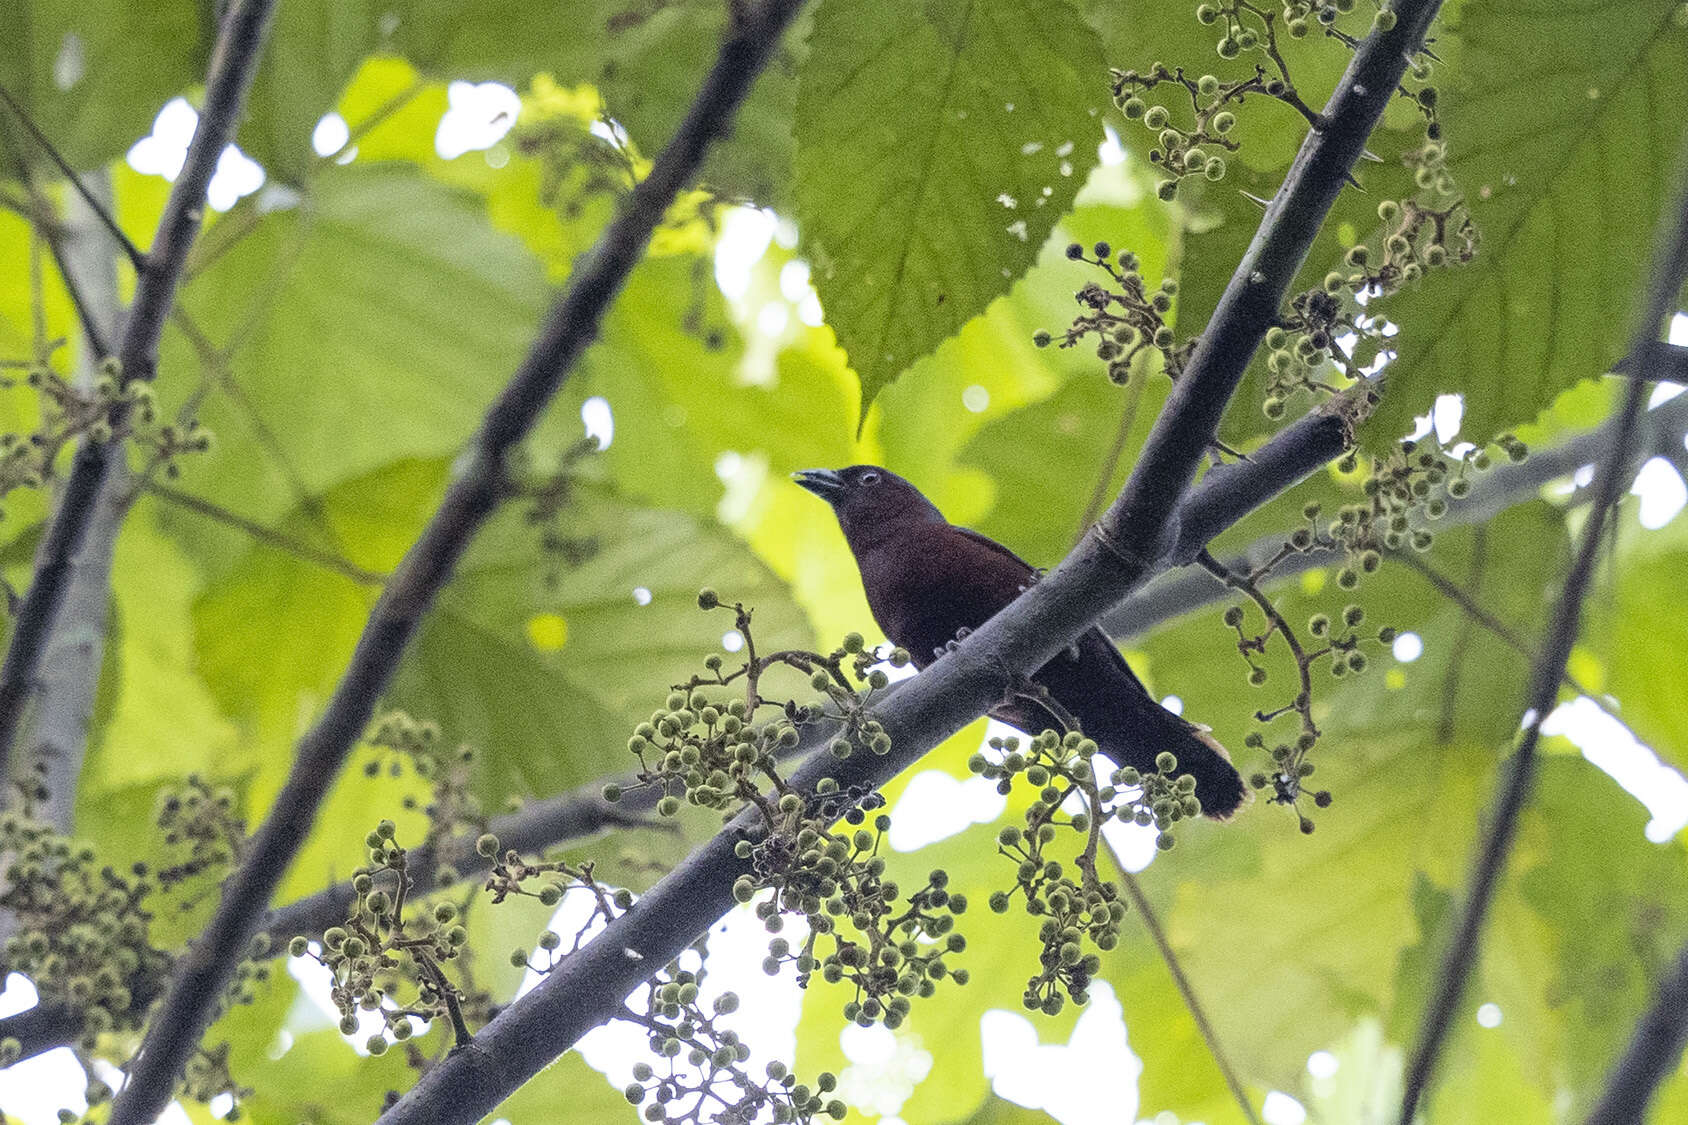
961, 634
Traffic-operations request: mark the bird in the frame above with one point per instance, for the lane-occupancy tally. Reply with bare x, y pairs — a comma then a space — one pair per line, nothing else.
930, 582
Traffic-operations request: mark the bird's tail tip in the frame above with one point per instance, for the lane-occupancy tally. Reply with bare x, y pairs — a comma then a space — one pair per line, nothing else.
1219, 786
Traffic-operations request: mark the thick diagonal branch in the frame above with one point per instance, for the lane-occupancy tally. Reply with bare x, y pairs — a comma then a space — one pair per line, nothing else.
569, 327
232, 66
1135, 536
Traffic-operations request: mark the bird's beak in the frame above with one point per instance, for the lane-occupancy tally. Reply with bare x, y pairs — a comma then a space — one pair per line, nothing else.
825, 483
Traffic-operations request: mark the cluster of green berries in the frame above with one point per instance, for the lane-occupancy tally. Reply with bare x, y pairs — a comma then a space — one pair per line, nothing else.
399, 740
384, 951
69, 412
889, 948
714, 1084
1128, 318
1299, 353
205, 1077
1403, 492
705, 749
1075, 905
1419, 238
200, 819
1189, 146
80, 927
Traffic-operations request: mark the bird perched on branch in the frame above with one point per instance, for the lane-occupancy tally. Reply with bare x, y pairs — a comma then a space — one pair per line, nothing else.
930, 582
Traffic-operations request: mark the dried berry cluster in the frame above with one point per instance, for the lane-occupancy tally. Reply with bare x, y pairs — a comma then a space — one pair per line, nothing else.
549, 495
1128, 320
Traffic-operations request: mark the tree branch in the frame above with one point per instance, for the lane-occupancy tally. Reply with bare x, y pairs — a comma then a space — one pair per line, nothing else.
98, 207
1652, 1055
232, 67
1662, 361
268, 536
571, 324
1151, 922
1670, 269
71, 672
1135, 535
1504, 486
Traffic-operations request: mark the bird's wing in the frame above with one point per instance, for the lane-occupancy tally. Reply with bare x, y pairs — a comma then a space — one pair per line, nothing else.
1093, 641
987, 541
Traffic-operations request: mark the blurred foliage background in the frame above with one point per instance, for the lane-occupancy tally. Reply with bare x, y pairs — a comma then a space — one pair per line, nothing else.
858, 279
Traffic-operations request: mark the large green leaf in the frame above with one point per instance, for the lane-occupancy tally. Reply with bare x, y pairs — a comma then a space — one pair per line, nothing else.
935, 152
381, 295
92, 73
152, 670
1617, 907
1567, 156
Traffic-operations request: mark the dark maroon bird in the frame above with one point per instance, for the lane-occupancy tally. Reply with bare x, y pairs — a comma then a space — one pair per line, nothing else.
927, 580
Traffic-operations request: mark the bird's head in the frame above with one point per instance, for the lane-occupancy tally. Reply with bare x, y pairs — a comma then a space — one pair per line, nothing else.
867, 498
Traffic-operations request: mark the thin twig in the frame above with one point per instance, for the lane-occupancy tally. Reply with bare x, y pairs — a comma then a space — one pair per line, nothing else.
1134, 538
1462, 638
268, 536
232, 67
571, 324
1461, 955
49, 229
1457, 594
136, 257
1210, 1035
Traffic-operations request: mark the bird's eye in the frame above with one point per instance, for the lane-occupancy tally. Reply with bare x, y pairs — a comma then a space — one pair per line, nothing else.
868, 478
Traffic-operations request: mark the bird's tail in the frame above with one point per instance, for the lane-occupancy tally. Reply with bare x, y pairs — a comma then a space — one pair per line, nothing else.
1151, 728
1218, 784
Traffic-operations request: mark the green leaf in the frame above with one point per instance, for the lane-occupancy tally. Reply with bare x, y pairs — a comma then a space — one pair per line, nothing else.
1073, 430
154, 671
1616, 907
93, 73
568, 1082
1567, 157
380, 295
935, 152
1639, 654
275, 633
316, 46
1282, 934
649, 72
